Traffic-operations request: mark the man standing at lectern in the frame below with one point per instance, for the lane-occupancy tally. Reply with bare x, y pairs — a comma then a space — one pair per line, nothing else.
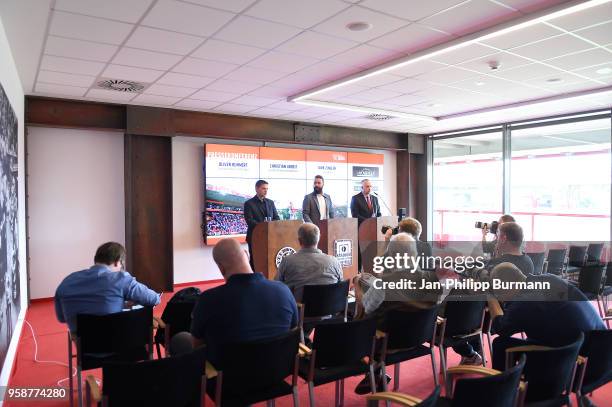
256, 210
317, 205
364, 205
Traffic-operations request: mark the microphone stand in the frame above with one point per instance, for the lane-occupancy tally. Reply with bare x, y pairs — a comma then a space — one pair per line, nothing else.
383, 201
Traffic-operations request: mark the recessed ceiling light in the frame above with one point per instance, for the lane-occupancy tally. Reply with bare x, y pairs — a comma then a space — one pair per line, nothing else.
604, 71
359, 26
553, 80
479, 83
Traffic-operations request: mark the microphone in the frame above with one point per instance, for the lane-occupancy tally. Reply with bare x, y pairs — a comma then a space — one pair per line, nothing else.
383, 201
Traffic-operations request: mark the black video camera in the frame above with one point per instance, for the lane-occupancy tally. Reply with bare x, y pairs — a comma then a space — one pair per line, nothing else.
492, 226
384, 229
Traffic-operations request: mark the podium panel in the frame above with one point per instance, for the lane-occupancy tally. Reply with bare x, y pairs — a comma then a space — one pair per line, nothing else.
339, 239
272, 241
369, 236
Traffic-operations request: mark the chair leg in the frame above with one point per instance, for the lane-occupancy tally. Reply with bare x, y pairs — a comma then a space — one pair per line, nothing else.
337, 393
342, 392
372, 380
79, 386
443, 361
270, 403
157, 348
396, 376
433, 366
296, 397
602, 314
484, 358
490, 347
311, 394
70, 379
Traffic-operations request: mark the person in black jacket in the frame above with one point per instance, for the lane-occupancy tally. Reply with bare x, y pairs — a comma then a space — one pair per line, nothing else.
365, 205
256, 210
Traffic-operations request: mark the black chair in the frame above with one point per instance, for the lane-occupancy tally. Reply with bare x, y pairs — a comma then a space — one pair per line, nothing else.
175, 318
323, 303
576, 258
255, 371
120, 337
340, 350
406, 333
590, 281
463, 320
595, 370
606, 291
555, 261
593, 252
176, 381
538, 262
549, 371
404, 399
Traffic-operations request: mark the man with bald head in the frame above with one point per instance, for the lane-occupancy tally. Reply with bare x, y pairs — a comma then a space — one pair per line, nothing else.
247, 307
309, 265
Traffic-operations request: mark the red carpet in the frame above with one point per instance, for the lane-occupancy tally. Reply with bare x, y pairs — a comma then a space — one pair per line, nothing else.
416, 378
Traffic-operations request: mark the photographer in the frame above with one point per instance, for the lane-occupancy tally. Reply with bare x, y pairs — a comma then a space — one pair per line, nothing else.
412, 227
490, 247
509, 248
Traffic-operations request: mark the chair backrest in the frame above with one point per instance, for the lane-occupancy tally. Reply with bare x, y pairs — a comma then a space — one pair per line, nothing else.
576, 255
500, 390
344, 343
538, 261
176, 315
255, 365
594, 251
464, 314
598, 349
174, 381
590, 278
325, 299
608, 280
128, 335
555, 259
550, 372
406, 329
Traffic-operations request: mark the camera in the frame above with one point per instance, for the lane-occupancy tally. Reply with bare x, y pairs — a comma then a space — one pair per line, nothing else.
492, 226
384, 229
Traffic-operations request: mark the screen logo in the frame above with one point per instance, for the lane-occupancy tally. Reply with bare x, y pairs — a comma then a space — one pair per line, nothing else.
282, 253
365, 172
343, 251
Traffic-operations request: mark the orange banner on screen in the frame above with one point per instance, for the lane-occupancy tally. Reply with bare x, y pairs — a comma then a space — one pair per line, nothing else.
366, 158
326, 156
285, 154
231, 151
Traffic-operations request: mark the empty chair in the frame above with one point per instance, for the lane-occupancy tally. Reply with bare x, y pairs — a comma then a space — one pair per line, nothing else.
323, 303
120, 337
606, 291
549, 371
538, 261
409, 335
175, 318
590, 282
593, 252
595, 370
555, 261
576, 257
255, 371
404, 399
176, 381
340, 350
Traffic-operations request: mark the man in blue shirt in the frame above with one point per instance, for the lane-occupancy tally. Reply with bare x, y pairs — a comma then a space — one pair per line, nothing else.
101, 289
553, 317
248, 307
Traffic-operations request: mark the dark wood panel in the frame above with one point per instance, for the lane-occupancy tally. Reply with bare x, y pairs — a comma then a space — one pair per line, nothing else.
148, 206
74, 114
336, 229
412, 186
149, 121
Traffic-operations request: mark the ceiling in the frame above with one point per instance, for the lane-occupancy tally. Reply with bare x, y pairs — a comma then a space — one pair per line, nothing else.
247, 57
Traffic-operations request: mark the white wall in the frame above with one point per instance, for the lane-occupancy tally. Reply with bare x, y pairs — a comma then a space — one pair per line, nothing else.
192, 259
76, 201
12, 87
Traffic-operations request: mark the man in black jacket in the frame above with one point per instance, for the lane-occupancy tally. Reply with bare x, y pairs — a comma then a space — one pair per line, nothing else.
365, 205
256, 210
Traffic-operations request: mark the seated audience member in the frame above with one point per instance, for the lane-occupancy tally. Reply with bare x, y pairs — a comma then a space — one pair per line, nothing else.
509, 248
413, 227
309, 265
247, 307
491, 247
553, 317
101, 289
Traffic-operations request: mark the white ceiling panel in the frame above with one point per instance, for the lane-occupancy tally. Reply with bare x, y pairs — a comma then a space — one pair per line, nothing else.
407, 86
270, 92
381, 24
182, 80
298, 13
527, 6
60, 78
523, 36
50, 89
165, 90
211, 69
267, 112
232, 108
342, 91
128, 11
446, 75
155, 100
379, 80
70, 65
316, 45
254, 75
214, 96
502, 60
376, 95
600, 34
585, 18
552, 47
576, 86
236, 6
66, 47
282, 62
410, 10
365, 56
110, 95
232, 86
196, 104
255, 32
597, 72
407, 100
412, 38
163, 41
88, 28
186, 18
301, 115
583, 59
286, 106
464, 54
416, 68
525, 72
224, 51
257, 101
131, 73
146, 59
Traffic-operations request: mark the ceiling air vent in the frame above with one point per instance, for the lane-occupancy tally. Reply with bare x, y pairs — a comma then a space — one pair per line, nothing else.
378, 117
121, 85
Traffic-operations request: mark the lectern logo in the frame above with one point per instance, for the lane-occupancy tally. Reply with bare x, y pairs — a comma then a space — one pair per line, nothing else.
343, 251
282, 253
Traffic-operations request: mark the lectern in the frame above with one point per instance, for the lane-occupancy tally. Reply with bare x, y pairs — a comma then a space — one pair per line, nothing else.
371, 238
271, 242
339, 239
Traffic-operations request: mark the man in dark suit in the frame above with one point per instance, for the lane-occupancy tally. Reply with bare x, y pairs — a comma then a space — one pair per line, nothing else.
256, 210
364, 205
317, 205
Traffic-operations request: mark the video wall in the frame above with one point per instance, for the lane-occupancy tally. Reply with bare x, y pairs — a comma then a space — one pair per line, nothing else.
230, 173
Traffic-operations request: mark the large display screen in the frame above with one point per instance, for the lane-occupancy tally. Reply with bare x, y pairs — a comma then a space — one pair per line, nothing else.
230, 173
